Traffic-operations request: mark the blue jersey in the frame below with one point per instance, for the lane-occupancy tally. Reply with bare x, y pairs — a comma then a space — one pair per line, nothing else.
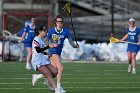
61, 36
30, 34
133, 36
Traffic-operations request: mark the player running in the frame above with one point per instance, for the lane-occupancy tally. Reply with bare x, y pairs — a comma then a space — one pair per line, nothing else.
21, 44
27, 38
132, 35
39, 61
57, 35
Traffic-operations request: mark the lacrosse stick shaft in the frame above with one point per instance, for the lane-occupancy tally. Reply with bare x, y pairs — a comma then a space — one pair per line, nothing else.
130, 42
73, 28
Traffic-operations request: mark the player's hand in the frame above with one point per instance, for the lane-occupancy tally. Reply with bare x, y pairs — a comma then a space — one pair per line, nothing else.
53, 45
76, 46
20, 40
120, 40
138, 43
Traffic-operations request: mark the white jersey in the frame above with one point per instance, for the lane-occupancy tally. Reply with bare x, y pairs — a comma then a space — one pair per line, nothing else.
38, 59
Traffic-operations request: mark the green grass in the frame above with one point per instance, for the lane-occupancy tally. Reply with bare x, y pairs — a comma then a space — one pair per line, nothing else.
77, 78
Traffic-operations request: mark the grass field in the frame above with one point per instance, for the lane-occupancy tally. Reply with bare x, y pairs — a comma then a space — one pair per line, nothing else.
77, 78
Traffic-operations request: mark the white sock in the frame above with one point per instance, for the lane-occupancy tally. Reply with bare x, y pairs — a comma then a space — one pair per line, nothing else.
134, 69
58, 85
130, 65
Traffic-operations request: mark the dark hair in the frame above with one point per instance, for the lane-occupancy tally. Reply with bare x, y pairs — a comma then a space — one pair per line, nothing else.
58, 16
40, 28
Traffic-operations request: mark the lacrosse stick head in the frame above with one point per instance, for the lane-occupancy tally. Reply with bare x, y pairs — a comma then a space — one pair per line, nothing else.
113, 40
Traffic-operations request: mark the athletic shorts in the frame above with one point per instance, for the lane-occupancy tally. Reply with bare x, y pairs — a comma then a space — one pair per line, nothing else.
133, 48
54, 51
39, 60
27, 44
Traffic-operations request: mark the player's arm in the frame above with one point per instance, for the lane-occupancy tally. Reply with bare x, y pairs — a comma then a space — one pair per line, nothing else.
139, 38
72, 43
23, 36
124, 38
39, 50
47, 42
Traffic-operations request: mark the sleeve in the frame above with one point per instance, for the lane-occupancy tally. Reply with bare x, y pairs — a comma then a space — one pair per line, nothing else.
37, 47
68, 34
39, 50
138, 31
126, 30
35, 43
49, 34
26, 29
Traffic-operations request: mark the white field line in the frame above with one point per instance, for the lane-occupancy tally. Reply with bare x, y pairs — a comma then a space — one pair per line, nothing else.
81, 70
90, 78
16, 83
106, 74
74, 88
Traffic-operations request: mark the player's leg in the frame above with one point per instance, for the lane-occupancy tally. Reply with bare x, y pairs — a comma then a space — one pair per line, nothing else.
134, 62
21, 51
28, 58
129, 55
36, 77
46, 73
53, 71
57, 63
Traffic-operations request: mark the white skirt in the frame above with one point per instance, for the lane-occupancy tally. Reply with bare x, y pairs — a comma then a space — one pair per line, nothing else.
39, 60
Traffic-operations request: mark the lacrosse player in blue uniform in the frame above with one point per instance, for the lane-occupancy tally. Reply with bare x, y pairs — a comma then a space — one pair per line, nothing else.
21, 44
57, 35
132, 35
27, 38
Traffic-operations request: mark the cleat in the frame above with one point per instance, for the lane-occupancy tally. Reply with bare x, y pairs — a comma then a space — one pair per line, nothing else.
62, 90
57, 91
47, 84
134, 72
28, 66
34, 79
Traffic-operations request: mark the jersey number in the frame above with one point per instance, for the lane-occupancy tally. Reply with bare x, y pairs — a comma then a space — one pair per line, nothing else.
132, 37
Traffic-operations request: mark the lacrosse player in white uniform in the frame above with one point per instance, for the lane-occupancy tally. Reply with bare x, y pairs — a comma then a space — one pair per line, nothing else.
39, 61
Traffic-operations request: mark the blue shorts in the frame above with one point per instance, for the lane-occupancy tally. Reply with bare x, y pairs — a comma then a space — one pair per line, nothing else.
54, 51
27, 44
133, 48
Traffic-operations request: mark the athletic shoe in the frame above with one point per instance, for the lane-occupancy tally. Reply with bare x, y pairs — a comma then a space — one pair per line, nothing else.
57, 91
34, 79
133, 72
28, 66
47, 84
129, 69
62, 90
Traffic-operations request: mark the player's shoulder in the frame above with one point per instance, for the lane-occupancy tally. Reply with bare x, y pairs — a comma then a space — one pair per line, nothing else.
138, 28
36, 38
66, 29
51, 30
127, 28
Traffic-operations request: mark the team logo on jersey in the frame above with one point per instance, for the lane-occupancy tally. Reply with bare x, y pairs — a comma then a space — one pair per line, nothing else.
31, 30
131, 33
55, 38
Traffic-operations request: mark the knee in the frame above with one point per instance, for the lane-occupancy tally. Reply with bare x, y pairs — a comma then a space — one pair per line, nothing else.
30, 54
60, 69
55, 74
